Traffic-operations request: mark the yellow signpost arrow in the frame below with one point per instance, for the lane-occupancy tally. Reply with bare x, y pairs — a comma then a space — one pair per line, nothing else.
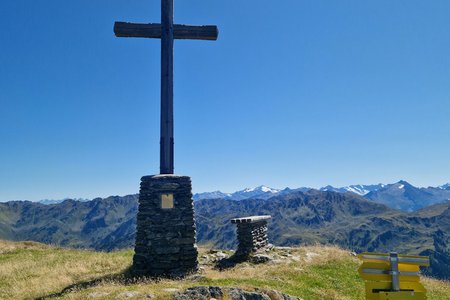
392, 276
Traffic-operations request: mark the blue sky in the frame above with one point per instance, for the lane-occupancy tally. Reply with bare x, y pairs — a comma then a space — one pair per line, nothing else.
294, 93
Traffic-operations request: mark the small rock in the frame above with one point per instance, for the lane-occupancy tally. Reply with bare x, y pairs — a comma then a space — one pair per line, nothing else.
260, 259
200, 293
283, 248
213, 293
150, 296
170, 290
128, 294
277, 261
220, 255
196, 277
98, 294
311, 255
238, 294
276, 295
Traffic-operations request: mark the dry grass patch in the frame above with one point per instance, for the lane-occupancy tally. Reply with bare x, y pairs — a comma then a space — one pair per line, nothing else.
32, 270
8, 246
437, 289
29, 270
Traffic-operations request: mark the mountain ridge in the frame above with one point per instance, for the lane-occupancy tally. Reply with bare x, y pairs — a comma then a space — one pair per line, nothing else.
400, 195
413, 199
298, 218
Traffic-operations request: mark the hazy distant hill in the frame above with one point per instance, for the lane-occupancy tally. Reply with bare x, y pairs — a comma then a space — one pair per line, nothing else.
260, 192
344, 219
404, 196
102, 224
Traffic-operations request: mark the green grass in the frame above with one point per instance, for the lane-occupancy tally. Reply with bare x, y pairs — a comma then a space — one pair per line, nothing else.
31, 270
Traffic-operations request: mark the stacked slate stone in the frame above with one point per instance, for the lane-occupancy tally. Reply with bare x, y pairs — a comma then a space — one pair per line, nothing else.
251, 234
165, 237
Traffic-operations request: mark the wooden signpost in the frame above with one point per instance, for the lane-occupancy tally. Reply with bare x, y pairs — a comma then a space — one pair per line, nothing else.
392, 276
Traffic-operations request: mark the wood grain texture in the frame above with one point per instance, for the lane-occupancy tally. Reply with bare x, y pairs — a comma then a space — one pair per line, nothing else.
167, 139
153, 30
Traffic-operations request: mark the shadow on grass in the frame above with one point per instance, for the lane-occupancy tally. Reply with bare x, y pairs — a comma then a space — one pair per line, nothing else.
128, 277
230, 262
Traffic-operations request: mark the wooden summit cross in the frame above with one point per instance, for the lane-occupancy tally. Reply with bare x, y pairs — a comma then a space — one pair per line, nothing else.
167, 32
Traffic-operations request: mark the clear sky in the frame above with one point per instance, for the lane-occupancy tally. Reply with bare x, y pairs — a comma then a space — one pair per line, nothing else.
294, 93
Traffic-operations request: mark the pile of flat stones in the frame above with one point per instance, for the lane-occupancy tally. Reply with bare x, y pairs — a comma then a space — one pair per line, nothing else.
218, 293
251, 234
165, 238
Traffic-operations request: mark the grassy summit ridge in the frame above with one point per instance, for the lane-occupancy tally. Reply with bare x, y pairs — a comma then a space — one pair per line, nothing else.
31, 270
298, 218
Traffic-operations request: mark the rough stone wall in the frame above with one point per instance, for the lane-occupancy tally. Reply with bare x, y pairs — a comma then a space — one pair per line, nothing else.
165, 238
251, 237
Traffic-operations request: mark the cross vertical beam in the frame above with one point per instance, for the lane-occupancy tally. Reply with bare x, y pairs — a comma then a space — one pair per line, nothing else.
167, 141
167, 31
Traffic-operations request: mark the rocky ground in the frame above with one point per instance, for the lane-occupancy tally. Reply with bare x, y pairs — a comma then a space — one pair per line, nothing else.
218, 293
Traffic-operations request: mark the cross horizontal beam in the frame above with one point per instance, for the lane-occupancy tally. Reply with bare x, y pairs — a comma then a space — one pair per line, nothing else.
152, 30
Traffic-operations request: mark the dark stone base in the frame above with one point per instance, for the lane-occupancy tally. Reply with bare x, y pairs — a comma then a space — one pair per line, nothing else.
251, 237
165, 237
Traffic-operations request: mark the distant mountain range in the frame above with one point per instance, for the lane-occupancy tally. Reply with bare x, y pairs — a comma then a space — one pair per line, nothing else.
299, 218
260, 192
400, 195
52, 201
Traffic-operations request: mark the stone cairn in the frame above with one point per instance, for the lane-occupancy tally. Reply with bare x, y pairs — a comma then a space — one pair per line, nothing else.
165, 233
251, 234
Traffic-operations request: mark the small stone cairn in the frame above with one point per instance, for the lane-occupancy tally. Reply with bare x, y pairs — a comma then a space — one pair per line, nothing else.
251, 234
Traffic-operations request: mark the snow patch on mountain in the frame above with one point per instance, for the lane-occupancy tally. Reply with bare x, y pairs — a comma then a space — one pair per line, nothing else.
359, 189
444, 187
260, 192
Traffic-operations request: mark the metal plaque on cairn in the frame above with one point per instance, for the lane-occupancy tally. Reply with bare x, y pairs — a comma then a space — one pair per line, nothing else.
165, 233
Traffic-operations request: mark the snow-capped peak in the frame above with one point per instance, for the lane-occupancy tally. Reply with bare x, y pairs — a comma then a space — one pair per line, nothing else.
444, 187
262, 188
260, 192
359, 189
267, 189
